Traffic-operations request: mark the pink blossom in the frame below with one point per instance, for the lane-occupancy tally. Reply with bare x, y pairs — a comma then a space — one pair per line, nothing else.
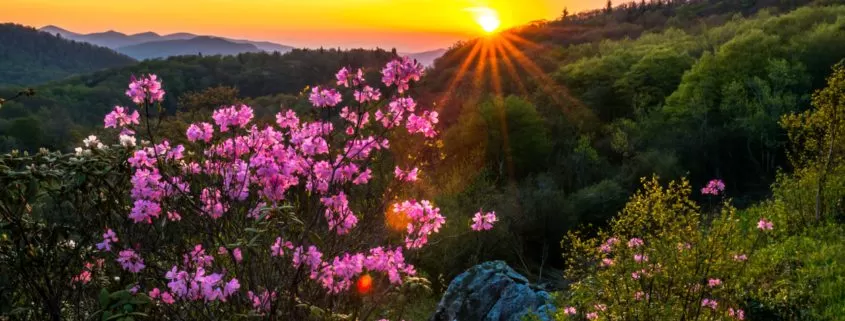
338, 215
639, 296
237, 255
401, 72
278, 248
145, 89
635, 242
108, 237
261, 302
765, 225
406, 176
84, 277
714, 187
232, 116
425, 219
200, 131
635, 275
600, 307
605, 262
483, 221
119, 118
740, 257
570, 310
712, 304
321, 97
739, 314
592, 316
130, 261
367, 94
714, 282
639, 258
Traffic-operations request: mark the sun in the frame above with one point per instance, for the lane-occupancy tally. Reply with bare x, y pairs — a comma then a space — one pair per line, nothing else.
486, 18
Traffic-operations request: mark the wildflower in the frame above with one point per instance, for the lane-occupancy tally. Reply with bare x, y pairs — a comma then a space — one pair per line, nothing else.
712, 304
108, 238
606, 262
237, 255
130, 261
635, 275
570, 310
600, 307
740, 257
483, 221
119, 118
146, 88
406, 176
714, 282
127, 140
739, 314
639, 258
324, 97
84, 277
714, 187
639, 296
592, 316
764, 225
200, 131
261, 302
635, 242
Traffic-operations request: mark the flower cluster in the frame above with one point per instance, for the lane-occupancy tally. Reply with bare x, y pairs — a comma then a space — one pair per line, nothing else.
147, 88
714, 187
224, 183
109, 237
483, 221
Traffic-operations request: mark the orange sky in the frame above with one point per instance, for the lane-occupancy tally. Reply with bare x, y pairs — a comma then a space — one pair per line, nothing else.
409, 25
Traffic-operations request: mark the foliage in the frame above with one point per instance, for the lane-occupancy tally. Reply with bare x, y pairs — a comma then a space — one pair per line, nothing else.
663, 258
30, 57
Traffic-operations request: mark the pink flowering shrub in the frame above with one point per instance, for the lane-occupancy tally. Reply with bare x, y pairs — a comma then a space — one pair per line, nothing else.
663, 259
303, 216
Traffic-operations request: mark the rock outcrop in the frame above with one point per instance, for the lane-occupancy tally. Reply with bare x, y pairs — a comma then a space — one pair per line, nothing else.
492, 291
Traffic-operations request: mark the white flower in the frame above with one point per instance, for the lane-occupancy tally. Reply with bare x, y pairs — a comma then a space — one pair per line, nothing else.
91, 141
127, 141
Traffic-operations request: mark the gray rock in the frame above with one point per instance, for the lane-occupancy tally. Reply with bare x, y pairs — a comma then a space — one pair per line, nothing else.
492, 291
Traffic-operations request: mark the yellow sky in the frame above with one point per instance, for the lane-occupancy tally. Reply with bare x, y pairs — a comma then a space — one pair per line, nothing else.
409, 25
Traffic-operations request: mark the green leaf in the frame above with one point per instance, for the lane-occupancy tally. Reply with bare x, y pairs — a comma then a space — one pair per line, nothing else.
104, 298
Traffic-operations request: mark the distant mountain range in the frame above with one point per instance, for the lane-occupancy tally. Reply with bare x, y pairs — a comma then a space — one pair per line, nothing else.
149, 45
426, 57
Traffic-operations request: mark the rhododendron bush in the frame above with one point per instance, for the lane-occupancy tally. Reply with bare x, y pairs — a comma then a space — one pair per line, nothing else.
663, 258
283, 220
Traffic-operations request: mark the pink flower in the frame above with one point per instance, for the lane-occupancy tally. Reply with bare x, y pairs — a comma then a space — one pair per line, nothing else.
145, 89
200, 131
261, 302
167, 298
592, 316
605, 262
237, 254
570, 310
232, 116
278, 248
635, 275
738, 313
338, 214
108, 238
119, 118
401, 72
639, 258
635, 242
324, 97
714, 187
483, 222
130, 261
367, 94
712, 304
600, 307
406, 176
714, 282
84, 277
764, 225
740, 257
155, 293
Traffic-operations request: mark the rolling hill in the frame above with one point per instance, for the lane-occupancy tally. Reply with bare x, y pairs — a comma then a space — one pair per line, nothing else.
118, 41
207, 46
29, 57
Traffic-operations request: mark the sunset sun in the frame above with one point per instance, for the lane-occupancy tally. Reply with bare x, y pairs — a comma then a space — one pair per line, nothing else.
486, 18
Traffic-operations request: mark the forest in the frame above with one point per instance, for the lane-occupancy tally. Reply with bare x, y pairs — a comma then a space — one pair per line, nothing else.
660, 160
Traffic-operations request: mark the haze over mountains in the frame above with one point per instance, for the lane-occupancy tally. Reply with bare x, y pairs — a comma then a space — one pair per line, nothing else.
150, 45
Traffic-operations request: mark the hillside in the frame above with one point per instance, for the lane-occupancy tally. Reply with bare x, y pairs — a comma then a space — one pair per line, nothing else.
120, 41
426, 58
207, 46
29, 57
76, 106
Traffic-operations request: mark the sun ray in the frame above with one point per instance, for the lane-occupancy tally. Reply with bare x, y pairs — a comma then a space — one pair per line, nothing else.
509, 67
457, 77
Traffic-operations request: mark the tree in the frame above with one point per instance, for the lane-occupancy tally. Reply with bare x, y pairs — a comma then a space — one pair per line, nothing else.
818, 131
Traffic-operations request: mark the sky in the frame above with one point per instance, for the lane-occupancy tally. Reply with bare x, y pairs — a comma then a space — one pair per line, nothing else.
408, 25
